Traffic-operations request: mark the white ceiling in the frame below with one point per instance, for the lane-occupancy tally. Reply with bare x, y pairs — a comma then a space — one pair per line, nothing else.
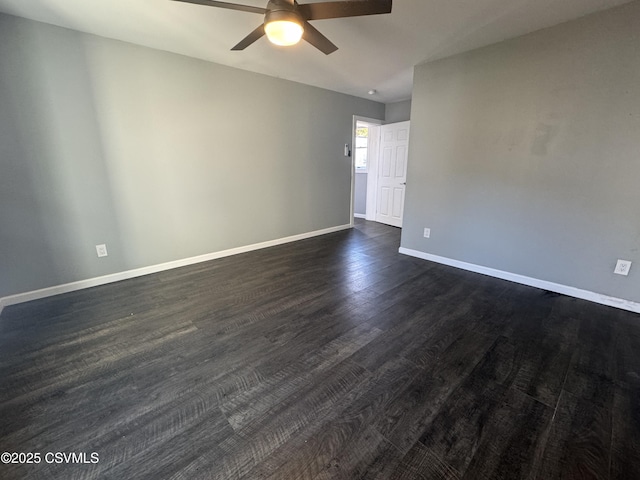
375, 52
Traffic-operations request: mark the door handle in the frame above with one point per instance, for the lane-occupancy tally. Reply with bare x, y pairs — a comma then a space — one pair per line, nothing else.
403, 183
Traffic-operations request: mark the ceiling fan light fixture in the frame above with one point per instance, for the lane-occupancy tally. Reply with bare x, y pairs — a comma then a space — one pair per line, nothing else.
284, 32
283, 25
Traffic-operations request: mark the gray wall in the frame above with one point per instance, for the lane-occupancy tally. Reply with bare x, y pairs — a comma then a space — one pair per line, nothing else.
397, 112
360, 194
525, 155
160, 156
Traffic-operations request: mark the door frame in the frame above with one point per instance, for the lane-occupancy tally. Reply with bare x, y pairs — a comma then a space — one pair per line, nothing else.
376, 143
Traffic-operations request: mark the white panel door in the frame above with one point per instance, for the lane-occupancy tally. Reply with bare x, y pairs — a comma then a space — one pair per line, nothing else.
392, 173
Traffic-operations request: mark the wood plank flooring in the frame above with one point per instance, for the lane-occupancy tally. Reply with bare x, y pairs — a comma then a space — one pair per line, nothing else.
329, 358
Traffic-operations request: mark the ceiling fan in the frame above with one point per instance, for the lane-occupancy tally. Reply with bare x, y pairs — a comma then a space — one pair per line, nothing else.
286, 22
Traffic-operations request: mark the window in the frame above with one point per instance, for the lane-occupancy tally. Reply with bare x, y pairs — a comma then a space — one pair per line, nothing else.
362, 139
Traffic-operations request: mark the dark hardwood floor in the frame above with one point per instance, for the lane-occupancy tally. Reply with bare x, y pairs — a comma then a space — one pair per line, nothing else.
329, 358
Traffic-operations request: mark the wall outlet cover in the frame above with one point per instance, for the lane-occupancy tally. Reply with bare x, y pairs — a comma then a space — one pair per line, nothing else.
622, 267
101, 250
427, 233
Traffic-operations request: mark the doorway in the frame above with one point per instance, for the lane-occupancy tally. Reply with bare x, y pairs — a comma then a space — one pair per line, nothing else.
380, 154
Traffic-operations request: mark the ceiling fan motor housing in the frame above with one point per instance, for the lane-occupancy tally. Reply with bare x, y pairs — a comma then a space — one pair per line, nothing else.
281, 10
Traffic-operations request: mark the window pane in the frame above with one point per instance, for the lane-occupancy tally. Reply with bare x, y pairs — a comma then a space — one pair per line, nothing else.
361, 158
362, 134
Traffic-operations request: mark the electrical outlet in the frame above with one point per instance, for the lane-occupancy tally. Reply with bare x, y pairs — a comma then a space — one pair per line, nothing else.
101, 250
622, 267
427, 233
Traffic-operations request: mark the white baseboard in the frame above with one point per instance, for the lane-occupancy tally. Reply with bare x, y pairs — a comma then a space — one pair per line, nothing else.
138, 272
532, 282
359, 215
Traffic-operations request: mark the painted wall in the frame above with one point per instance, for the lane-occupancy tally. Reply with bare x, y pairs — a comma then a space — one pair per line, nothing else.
360, 193
525, 155
397, 112
160, 156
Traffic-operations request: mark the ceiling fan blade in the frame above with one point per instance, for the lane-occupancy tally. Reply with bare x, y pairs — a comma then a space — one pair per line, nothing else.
230, 6
349, 8
318, 40
251, 38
